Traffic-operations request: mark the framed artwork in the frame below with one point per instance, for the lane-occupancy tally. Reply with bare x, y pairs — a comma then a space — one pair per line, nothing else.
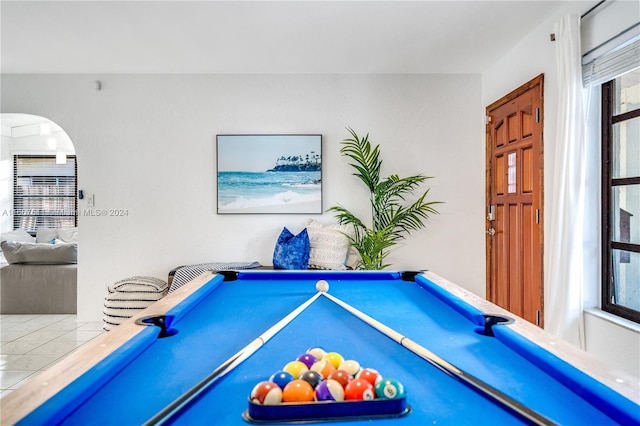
269, 174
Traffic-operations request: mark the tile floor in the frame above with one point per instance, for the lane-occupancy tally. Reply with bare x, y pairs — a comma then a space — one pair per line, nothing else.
31, 343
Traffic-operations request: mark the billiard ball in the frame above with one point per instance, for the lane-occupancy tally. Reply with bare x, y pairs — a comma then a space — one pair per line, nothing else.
266, 393
334, 358
307, 359
298, 391
322, 285
323, 367
370, 375
350, 366
281, 378
359, 389
312, 377
317, 352
340, 376
390, 389
330, 390
295, 368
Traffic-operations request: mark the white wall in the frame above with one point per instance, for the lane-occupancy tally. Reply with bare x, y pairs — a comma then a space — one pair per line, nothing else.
146, 143
6, 183
534, 55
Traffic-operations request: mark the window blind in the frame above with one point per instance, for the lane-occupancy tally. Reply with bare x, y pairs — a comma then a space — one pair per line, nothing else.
44, 193
616, 62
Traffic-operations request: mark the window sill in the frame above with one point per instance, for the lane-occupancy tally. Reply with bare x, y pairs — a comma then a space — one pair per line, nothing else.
614, 319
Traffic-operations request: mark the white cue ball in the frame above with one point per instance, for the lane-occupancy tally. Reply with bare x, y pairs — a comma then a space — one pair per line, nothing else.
322, 285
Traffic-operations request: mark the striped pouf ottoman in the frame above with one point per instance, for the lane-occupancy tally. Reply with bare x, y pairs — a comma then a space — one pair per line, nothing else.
127, 297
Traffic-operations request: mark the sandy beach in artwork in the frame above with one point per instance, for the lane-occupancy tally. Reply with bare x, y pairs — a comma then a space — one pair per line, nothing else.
310, 207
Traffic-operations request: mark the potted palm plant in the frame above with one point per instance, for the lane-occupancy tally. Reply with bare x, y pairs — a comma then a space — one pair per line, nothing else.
391, 218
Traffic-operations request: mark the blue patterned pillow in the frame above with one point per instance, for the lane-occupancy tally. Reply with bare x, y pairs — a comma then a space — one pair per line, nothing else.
292, 251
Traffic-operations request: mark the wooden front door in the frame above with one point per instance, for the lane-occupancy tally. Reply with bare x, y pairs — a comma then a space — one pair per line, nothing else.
514, 202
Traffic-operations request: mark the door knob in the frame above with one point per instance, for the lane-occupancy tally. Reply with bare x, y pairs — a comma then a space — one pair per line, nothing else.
491, 231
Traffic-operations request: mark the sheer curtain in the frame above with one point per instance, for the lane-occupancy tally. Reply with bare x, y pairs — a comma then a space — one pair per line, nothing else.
564, 276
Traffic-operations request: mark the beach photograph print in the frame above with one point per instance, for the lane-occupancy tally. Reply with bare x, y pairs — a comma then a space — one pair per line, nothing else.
269, 174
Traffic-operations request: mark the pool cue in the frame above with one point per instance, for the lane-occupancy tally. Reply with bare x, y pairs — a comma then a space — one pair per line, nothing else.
468, 379
178, 404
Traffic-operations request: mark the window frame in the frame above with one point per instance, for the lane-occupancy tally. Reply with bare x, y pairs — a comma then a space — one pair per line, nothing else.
609, 119
16, 210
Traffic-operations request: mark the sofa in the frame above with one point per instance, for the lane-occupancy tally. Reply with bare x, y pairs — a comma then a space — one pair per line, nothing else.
40, 274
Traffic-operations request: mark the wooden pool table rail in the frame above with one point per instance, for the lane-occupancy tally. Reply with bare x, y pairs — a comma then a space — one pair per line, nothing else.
45, 385
32, 394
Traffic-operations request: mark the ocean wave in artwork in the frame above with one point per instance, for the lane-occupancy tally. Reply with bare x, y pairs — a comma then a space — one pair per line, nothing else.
279, 199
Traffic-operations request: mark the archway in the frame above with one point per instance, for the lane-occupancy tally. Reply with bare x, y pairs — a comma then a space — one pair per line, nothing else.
26, 135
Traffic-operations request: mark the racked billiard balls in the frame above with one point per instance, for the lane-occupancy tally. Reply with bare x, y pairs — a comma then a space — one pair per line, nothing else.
330, 390
266, 393
307, 359
370, 375
312, 377
298, 391
340, 376
334, 358
281, 378
359, 389
323, 367
350, 366
295, 368
390, 389
317, 352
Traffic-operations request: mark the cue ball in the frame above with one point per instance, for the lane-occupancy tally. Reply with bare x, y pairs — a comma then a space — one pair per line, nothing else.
322, 285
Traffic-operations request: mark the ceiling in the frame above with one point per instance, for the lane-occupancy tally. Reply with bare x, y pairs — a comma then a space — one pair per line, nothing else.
262, 36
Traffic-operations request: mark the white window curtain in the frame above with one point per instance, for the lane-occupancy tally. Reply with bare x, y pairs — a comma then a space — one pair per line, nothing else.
564, 275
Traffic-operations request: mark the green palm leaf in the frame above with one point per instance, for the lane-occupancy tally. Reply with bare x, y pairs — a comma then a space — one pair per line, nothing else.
391, 219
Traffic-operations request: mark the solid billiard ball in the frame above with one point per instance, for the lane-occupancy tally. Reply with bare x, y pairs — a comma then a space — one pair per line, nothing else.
317, 352
350, 366
298, 391
334, 358
340, 376
312, 377
323, 367
281, 378
330, 390
322, 285
266, 393
295, 368
359, 389
390, 389
307, 359
370, 375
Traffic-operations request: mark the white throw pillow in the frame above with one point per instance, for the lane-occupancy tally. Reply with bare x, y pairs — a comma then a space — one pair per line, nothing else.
46, 235
68, 235
18, 235
329, 245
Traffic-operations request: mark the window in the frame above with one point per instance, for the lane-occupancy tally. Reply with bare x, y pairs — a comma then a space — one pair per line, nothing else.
44, 192
621, 196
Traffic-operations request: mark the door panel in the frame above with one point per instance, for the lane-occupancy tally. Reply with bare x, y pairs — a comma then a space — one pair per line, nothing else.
514, 188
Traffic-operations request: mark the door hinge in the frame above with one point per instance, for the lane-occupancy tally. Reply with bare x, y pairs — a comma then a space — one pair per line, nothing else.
537, 317
487, 119
537, 215
537, 115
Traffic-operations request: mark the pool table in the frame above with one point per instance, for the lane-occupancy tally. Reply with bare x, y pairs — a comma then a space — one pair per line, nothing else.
129, 375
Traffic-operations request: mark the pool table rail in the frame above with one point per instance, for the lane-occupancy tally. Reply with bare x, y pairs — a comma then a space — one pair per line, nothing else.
128, 336
47, 385
623, 384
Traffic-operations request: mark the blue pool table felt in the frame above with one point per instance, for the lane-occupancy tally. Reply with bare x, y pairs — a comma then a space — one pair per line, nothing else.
222, 317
